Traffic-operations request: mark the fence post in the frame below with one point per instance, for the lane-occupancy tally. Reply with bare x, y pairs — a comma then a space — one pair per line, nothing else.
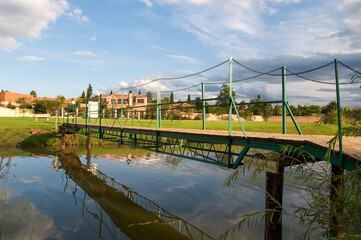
113, 111
203, 109
158, 106
338, 110
132, 114
75, 115
67, 116
100, 116
86, 116
284, 101
121, 110
230, 98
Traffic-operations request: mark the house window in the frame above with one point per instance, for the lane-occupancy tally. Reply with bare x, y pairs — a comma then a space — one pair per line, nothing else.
119, 101
140, 101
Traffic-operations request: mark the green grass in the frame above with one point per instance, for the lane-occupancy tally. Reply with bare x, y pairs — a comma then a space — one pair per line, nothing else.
22, 128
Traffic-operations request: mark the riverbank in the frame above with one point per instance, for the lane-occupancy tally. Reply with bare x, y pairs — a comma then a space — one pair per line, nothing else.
28, 132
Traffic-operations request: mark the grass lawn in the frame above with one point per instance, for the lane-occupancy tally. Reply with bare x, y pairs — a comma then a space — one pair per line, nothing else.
21, 128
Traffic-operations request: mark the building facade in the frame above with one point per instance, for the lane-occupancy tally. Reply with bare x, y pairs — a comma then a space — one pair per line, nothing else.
136, 102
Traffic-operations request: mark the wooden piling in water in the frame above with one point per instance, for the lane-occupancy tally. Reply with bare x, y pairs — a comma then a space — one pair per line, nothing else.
336, 192
62, 131
274, 192
88, 157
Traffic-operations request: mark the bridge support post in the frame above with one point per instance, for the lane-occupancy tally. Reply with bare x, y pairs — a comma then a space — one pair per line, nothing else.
67, 115
121, 110
338, 98
284, 101
203, 109
273, 217
86, 116
230, 98
100, 117
336, 192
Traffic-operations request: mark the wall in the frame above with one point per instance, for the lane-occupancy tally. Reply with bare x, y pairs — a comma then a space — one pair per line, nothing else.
299, 119
7, 112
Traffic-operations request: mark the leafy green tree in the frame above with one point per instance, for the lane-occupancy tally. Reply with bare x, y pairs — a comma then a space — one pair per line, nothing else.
267, 111
23, 103
224, 103
256, 108
332, 106
149, 97
171, 99
33, 93
89, 91
46, 106
10, 105
189, 98
140, 93
199, 105
111, 92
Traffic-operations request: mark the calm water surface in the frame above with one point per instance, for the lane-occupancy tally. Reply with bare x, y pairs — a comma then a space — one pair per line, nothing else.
126, 193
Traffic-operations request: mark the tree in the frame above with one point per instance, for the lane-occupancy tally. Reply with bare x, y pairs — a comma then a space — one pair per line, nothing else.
149, 97
89, 91
189, 98
23, 103
60, 98
256, 108
223, 103
33, 93
46, 106
199, 105
140, 93
171, 99
111, 92
332, 106
267, 111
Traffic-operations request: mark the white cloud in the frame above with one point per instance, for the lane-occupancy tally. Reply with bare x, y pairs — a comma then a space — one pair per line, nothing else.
93, 39
31, 59
248, 29
78, 16
83, 53
147, 2
26, 18
185, 59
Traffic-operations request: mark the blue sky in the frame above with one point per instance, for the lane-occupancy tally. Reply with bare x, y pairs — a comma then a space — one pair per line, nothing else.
60, 46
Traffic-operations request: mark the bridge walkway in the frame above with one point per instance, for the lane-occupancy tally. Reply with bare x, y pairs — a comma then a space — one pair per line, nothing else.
217, 147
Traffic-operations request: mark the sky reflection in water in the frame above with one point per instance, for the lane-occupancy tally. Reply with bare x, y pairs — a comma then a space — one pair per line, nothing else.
44, 202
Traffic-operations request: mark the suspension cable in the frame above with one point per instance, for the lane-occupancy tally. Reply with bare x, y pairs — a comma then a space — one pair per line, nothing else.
279, 75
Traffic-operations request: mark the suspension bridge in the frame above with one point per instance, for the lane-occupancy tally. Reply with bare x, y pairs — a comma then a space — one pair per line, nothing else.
225, 148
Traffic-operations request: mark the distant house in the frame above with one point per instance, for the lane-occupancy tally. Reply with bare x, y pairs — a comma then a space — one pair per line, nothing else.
10, 97
137, 101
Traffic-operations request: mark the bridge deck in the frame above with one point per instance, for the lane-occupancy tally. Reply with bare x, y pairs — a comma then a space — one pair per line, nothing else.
351, 145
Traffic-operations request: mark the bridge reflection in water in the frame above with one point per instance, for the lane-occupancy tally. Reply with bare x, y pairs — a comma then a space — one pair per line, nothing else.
133, 214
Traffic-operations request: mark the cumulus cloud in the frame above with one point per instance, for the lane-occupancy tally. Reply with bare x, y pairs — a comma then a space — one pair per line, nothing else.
246, 28
27, 18
78, 16
31, 59
83, 53
147, 2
